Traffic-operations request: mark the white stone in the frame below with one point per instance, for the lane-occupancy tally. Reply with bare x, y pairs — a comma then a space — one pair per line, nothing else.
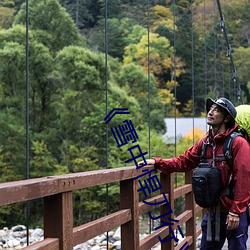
111, 233
18, 228
78, 247
38, 232
18, 234
117, 244
103, 243
3, 233
117, 235
95, 248
13, 243
91, 242
100, 238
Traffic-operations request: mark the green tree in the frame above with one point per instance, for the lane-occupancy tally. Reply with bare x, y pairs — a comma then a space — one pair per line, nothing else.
136, 83
161, 57
84, 13
53, 25
81, 99
6, 17
117, 31
42, 163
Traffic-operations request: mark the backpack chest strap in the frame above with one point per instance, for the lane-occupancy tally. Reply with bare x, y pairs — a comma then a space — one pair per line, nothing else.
217, 159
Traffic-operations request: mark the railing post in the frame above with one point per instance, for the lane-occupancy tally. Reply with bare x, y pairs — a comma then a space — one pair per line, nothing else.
58, 219
190, 205
129, 198
167, 183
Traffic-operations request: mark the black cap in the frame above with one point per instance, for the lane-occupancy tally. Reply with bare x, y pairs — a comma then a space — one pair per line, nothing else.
223, 103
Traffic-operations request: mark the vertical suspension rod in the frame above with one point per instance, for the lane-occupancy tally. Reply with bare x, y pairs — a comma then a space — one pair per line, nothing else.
27, 206
106, 82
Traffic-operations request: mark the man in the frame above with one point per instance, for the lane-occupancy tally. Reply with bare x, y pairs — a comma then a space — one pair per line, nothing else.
221, 115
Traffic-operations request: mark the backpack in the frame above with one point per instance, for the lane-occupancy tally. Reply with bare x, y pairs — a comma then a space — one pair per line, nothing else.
206, 179
243, 120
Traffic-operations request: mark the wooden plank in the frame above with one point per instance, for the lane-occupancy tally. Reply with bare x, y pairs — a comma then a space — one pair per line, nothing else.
24, 190
167, 183
152, 239
149, 241
144, 208
182, 190
58, 219
198, 231
46, 244
183, 217
90, 230
189, 241
190, 205
198, 208
129, 197
99, 177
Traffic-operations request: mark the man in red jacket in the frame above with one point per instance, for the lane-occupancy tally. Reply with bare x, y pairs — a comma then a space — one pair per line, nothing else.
221, 115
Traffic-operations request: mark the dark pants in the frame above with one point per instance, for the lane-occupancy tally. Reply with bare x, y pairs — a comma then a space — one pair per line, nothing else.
237, 238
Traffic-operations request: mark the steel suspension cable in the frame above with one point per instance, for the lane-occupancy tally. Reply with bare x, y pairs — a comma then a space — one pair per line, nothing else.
106, 83
175, 94
215, 52
192, 76
174, 75
27, 207
149, 121
205, 49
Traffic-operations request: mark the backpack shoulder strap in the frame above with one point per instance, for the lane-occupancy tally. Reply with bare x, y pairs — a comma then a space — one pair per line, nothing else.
203, 152
227, 148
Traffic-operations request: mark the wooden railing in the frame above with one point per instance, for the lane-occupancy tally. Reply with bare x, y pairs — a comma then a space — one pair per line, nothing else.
56, 192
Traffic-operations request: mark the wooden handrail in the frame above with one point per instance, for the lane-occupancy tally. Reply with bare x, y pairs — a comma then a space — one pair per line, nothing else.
58, 208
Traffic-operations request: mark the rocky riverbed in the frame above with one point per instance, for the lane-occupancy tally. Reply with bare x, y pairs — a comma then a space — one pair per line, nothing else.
16, 238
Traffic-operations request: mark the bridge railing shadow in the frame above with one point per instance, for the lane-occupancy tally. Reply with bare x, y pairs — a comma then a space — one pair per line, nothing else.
56, 192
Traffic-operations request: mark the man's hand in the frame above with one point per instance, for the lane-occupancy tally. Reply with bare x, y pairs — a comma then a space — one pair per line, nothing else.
149, 162
232, 222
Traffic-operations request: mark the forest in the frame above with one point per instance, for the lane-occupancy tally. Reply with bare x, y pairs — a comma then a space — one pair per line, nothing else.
76, 60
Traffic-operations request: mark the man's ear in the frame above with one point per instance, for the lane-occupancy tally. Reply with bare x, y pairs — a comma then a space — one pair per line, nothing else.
228, 118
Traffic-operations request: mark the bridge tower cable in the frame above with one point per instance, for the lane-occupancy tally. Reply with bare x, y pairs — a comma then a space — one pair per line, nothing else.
236, 82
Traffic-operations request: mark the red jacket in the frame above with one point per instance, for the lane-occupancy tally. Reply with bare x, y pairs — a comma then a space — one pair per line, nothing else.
241, 167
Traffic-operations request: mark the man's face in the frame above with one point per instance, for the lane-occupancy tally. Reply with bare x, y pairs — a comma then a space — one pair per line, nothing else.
215, 116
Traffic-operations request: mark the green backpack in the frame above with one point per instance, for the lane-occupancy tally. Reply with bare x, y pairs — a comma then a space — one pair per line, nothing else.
243, 120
